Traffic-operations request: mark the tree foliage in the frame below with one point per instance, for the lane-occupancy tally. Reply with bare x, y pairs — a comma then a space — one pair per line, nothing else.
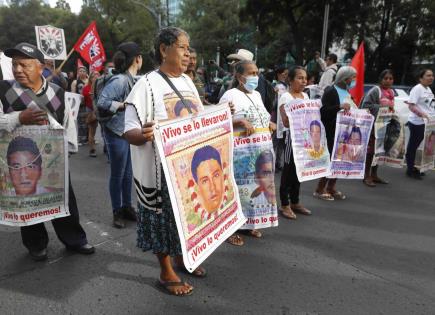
117, 21
213, 24
395, 32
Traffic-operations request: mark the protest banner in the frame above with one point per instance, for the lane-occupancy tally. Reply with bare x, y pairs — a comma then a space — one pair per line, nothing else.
390, 139
197, 158
51, 41
352, 133
310, 149
254, 171
73, 100
424, 157
33, 175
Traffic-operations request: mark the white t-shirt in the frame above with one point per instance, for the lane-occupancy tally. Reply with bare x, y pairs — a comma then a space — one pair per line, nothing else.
249, 106
424, 100
167, 105
6, 67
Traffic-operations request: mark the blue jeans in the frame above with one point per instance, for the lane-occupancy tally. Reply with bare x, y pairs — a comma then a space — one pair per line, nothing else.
121, 172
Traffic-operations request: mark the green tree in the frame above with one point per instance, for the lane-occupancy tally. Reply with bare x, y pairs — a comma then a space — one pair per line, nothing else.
212, 24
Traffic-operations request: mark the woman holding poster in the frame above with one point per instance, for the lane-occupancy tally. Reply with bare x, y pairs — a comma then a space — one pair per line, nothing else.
157, 96
334, 99
378, 96
421, 104
290, 184
254, 166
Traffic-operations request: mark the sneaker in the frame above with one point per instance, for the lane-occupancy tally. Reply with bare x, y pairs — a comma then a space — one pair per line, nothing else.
92, 153
129, 213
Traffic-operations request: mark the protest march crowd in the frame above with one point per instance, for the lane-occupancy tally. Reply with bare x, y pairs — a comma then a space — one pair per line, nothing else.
203, 166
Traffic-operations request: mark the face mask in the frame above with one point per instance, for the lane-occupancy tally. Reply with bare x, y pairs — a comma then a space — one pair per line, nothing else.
251, 83
351, 85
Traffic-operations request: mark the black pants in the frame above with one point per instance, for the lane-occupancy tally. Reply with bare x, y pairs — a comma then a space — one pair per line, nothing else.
415, 138
290, 185
68, 229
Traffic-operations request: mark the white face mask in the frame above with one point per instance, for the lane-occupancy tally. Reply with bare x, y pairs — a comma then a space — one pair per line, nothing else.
251, 83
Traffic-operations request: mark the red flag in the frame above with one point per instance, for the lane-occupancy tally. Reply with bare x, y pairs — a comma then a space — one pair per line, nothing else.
358, 63
90, 48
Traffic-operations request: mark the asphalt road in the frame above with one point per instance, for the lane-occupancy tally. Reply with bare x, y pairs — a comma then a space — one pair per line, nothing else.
373, 253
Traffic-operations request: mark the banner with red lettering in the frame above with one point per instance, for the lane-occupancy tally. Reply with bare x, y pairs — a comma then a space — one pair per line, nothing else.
91, 49
33, 175
308, 139
352, 133
197, 158
254, 171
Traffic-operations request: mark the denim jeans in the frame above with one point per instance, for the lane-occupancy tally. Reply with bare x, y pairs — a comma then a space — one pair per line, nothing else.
121, 172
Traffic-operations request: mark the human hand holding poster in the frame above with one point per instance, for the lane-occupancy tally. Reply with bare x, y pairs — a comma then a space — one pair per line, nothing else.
390, 139
254, 171
197, 159
310, 150
352, 134
33, 175
424, 158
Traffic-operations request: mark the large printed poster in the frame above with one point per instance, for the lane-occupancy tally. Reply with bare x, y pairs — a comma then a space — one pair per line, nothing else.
310, 150
352, 133
390, 139
254, 171
33, 175
424, 158
197, 158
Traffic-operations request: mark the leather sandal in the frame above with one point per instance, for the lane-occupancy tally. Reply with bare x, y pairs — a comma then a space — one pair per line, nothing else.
323, 196
166, 286
235, 240
255, 233
287, 212
300, 209
369, 182
338, 195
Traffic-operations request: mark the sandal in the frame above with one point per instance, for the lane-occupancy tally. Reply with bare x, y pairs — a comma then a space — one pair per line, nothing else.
369, 182
338, 195
199, 272
167, 287
323, 196
288, 213
235, 240
300, 209
255, 233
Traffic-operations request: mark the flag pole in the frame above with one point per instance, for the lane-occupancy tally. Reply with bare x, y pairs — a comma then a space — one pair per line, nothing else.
67, 57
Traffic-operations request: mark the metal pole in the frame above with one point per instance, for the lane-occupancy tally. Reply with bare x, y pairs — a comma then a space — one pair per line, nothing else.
325, 30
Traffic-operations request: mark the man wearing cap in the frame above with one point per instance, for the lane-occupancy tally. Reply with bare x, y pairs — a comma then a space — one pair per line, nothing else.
31, 100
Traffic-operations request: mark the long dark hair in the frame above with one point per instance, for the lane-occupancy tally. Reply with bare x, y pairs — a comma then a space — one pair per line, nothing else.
384, 73
122, 62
